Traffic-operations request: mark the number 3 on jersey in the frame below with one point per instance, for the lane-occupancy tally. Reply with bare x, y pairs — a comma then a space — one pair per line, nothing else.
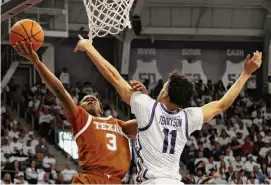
112, 143
173, 134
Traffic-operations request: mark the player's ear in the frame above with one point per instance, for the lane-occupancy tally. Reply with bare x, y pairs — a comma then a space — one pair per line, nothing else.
165, 95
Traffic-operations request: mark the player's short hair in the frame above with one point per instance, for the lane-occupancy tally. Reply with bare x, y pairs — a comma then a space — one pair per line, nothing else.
180, 89
101, 104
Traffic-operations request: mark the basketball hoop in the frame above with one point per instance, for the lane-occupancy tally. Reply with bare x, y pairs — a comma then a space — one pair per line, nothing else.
107, 16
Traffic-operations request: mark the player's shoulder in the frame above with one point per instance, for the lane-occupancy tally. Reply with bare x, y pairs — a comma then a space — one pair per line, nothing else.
108, 119
139, 97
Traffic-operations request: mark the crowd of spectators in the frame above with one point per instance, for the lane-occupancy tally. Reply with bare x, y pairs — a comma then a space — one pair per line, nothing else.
234, 147
26, 159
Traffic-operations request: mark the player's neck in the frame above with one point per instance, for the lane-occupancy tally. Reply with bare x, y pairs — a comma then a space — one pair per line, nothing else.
171, 107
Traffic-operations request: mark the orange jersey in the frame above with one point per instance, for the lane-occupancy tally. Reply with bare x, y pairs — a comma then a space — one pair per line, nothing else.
102, 146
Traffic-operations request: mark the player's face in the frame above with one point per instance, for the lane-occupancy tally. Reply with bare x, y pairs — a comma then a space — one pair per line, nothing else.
92, 105
163, 93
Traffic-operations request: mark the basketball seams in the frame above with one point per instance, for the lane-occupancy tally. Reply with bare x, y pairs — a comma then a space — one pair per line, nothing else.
25, 31
18, 34
35, 38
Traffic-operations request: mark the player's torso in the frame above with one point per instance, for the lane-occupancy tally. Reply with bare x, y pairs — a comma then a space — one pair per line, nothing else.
103, 148
160, 146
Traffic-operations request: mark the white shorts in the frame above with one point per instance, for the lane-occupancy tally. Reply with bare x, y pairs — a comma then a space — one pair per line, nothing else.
163, 181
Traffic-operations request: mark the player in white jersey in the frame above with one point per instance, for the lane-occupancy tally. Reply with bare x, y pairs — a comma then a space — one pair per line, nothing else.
165, 124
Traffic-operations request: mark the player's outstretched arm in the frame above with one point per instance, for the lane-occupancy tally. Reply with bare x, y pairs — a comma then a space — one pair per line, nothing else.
54, 85
210, 110
108, 71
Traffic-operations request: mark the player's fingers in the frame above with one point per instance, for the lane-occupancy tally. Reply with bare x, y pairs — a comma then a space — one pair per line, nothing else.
247, 58
23, 45
20, 49
76, 48
31, 47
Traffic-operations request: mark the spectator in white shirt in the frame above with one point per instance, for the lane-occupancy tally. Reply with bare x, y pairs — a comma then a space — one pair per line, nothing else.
224, 139
201, 161
45, 122
247, 121
47, 161
65, 77
15, 146
13, 132
264, 150
31, 173
249, 164
20, 179
267, 137
211, 164
258, 120
68, 173
28, 149
241, 128
238, 164
88, 89
34, 142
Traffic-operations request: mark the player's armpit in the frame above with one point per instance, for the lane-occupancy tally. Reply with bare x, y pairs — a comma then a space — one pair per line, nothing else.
129, 128
212, 109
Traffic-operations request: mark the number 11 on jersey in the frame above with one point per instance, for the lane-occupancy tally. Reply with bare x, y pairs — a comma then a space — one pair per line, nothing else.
173, 134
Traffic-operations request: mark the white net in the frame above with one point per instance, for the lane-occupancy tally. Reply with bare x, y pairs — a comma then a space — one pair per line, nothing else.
107, 16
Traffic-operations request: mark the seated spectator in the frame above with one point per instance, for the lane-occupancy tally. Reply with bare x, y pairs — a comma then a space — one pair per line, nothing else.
211, 164
42, 147
238, 164
48, 160
28, 150
5, 149
247, 147
45, 120
6, 179
258, 120
34, 142
14, 132
31, 173
60, 179
252, 178
68, 173
54, 172
46, 179
12, 168
20, 179
224, 139
249, 164
217, 152
15, 146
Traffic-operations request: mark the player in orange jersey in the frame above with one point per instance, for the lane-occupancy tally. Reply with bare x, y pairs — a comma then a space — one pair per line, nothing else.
104, 153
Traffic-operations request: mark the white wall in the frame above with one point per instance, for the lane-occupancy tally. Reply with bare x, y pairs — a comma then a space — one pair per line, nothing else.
48, 58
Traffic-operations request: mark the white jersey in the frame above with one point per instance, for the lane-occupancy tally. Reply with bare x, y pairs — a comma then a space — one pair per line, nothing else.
161, 136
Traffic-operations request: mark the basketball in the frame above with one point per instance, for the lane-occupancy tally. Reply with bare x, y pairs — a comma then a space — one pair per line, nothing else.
27, 29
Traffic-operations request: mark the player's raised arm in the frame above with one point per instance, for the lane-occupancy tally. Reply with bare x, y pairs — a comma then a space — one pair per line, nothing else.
52, 82
108, 71
216, 107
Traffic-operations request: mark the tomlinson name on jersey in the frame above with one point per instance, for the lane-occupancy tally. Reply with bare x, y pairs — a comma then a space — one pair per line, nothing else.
108, 127
175, 122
